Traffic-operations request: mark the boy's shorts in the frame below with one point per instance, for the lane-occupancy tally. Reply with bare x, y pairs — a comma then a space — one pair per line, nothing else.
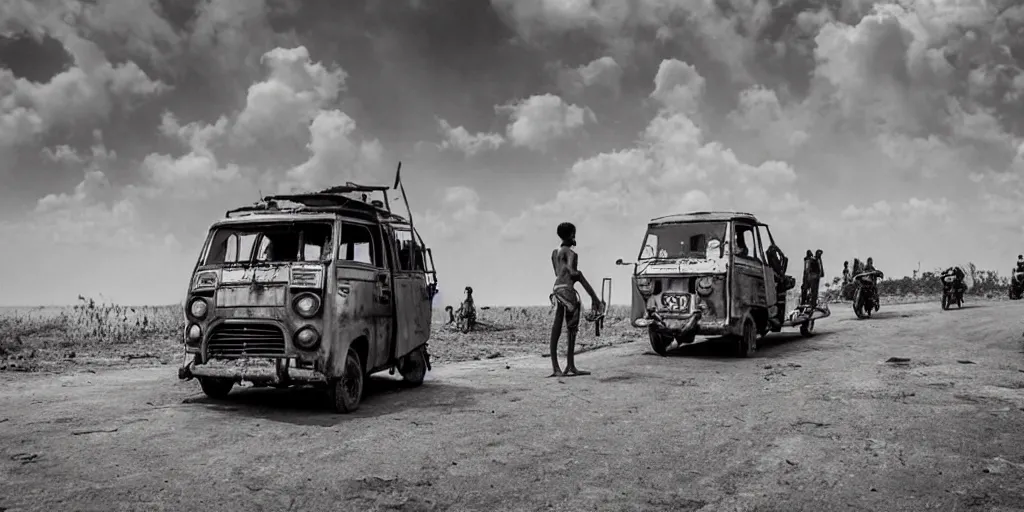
565, 297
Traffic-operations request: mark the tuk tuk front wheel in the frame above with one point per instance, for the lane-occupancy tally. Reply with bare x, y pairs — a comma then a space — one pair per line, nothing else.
216, 388
413, 367
346, 392
659, 342
807, 329
746, 342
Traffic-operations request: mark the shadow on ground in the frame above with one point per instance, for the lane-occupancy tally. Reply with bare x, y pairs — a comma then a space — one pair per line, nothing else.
720, 348
309, 405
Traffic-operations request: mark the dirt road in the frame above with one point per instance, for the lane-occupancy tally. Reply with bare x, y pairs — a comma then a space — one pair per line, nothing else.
818, 424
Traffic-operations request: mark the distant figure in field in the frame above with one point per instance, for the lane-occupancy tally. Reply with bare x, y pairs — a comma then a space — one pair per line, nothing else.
1020, 263
566, 299
451, 316
846, 273
467, 310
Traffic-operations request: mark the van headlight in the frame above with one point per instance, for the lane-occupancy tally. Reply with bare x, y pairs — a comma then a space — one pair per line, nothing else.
306, 305
307, 338
198, 308
193, 334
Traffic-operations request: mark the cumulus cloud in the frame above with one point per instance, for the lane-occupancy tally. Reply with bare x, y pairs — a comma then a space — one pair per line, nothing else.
337, 155
603, 72
538, 121
471, 144
283, 105
87, 93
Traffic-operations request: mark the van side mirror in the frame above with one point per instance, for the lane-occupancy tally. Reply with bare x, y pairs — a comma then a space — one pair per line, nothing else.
620, 262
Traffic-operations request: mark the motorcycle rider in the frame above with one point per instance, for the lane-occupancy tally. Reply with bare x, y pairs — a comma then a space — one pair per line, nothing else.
958, 276
869, 266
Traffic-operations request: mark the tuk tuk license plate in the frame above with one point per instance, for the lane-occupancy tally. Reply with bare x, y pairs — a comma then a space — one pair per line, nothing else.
675, 302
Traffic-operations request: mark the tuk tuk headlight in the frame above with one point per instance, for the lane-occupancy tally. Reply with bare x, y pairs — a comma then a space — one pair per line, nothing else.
307, 338
705, 285
645, 285
306, 305
198, 308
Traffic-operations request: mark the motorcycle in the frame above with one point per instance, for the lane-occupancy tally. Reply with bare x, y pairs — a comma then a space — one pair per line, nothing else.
952, 293
865, 295
1016, 285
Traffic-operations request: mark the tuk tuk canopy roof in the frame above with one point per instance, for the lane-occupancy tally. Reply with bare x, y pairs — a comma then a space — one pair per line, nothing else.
681, 218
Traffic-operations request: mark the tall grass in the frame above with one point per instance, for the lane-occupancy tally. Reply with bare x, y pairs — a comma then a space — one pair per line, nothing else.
87, 324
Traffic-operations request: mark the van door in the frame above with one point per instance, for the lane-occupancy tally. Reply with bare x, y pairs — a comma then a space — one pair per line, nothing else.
357, 271
381, 309
412, 296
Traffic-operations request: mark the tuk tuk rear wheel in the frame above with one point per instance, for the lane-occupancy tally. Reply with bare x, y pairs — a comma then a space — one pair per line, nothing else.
413, 367
346, 392
215, 387
746, 342
659, 342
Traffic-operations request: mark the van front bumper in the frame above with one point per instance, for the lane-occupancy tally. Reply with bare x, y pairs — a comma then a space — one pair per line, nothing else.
272, 373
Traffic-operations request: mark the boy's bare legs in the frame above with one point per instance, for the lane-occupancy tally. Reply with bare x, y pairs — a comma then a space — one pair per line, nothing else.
570, 365
573, 328
556, 332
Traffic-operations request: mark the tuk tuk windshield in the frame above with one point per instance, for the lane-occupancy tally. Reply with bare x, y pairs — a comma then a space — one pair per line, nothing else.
692, 240
269, 243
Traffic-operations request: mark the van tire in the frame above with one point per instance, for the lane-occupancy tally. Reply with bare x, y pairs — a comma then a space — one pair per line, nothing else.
345, 393
413, 367
216, 388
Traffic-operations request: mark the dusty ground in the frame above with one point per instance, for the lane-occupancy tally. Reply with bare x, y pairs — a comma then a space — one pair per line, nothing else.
819, 424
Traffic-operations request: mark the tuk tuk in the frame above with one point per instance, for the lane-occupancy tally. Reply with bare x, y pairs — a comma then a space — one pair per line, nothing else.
320, 288
713, 274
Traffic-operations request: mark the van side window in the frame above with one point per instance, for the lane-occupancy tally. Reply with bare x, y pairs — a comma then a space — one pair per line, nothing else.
403, 243
356, 244
378, 247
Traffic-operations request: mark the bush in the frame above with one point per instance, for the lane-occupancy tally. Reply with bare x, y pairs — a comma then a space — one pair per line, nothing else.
986, 282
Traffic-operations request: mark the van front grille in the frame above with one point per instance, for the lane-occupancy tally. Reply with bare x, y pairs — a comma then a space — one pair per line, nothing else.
233, 341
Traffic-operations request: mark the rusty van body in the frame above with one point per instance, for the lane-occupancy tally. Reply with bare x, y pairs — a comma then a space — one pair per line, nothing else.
712, 274
324, 292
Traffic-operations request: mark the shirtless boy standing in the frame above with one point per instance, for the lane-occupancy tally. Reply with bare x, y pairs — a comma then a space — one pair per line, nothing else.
566, 300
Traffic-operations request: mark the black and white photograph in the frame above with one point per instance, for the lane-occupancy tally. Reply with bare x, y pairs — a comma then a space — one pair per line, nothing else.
512, 255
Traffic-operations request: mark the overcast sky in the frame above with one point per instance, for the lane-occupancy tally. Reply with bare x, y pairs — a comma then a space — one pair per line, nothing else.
884, 129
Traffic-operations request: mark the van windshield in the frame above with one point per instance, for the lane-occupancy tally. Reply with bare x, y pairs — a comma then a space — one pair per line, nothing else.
269, 243
697, 240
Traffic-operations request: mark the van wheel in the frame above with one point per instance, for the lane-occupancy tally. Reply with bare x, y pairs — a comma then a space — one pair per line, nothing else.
413, 367
346, 392
746, 343
216, 388
659, 342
